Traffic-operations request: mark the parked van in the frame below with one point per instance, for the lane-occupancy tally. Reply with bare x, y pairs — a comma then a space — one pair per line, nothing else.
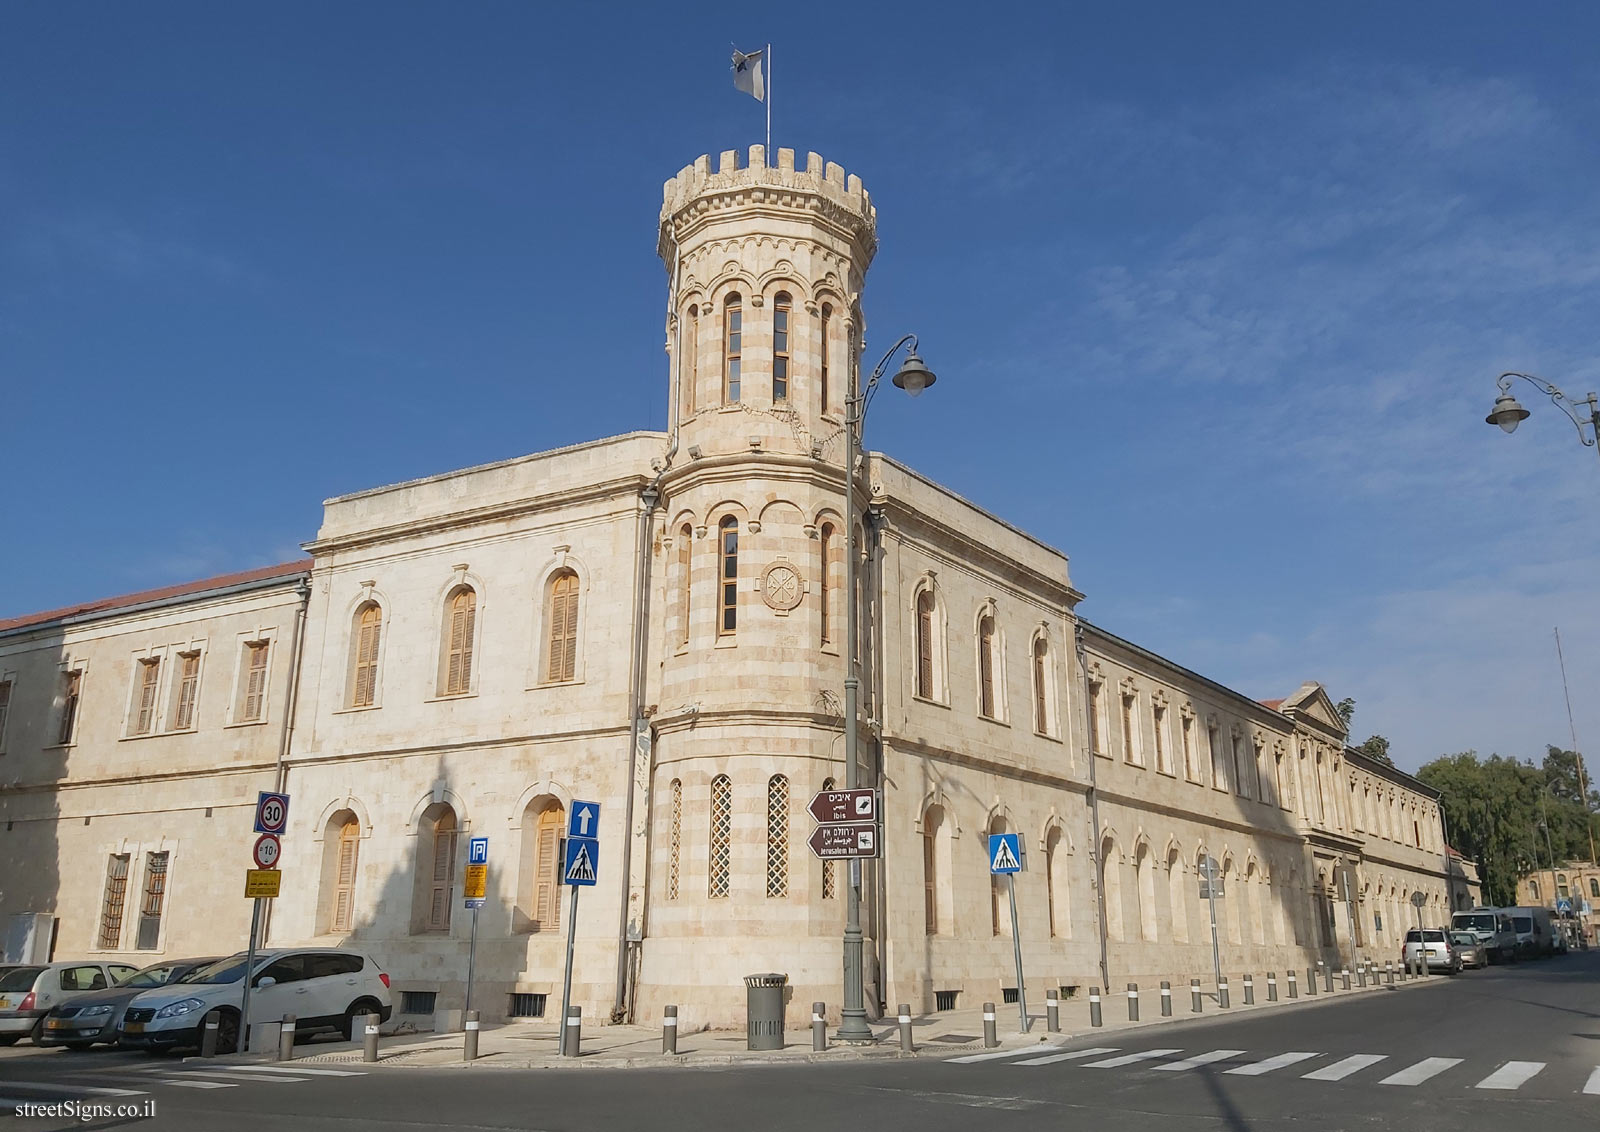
1493, 929
1536, 931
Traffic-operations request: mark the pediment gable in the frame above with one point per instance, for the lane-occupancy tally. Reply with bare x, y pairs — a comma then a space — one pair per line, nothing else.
1313, 704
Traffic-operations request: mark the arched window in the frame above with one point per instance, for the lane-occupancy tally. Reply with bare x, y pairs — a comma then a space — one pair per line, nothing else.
1058, 900
1191, 772
728, 537
1594, 888
718, 876
341, 846
1533, 889
1229, 904
777, 836
732, 346
1131, 753
460, 624
829, 889
1177, 898
435, 869
986, 667
925, 626
780, 347
1111, 887
1095, 720
561, 621
1252, 895
932, 823
1145, 868
366, 637
675, 841
1158, 719
825, 589
997, 921
685, 557
1563, 892
825, 389
543, 826
691, 362
1041, 685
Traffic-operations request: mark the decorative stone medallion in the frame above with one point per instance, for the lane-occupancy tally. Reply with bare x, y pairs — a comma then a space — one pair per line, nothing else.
782, 586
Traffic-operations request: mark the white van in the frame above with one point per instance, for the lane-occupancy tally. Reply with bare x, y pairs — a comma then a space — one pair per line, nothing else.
1536, 931
1493, 929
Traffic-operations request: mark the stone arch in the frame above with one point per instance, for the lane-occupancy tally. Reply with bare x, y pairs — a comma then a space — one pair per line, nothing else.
1177, 893
1053, 823
439, 794
937, 797
540, 818
782, 276
1110, 867
533, 790
344, 802
926, 590
781, 512
1144, 873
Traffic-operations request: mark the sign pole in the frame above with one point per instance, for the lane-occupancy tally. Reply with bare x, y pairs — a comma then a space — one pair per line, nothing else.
242, 1043
1016, 947
472, 959
1211, 895
566, 981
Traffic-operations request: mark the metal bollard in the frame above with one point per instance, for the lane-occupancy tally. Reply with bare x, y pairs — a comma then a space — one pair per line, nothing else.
990, 1039
1196, 1003
286, 1038
208, 1036
1272, 986
1166, 999
669, 1027
369, 1037
572, 1032
1361, 976
1327, 979
1052, 1012
1094, 1006
905, 1030
1249, 990
1222, 993
1388, 972
1344, 978
469, 1037
1133, 1002
819, 1026
1294, 986
1311, 980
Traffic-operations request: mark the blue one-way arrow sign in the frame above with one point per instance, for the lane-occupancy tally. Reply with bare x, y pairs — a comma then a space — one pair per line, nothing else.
584, 820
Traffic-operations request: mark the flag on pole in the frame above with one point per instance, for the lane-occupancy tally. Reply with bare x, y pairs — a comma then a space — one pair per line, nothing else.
747, 74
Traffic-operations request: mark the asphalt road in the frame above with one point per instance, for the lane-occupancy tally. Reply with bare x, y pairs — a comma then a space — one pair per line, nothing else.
1504, 1048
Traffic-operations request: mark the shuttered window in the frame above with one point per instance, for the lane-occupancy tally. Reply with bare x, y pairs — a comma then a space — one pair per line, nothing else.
344, 884
5, 709
442, 882
463, 616
1093, 713
825, 593
116, 899
986, 667
827, 319
369, 630
732, 348
925, 645
930, 877
145, 710
561, 661
780, 348
1041, 703
188, 687
547, 869
255, 681
155, 897
692, 358
71, 690
685, 580
728, 531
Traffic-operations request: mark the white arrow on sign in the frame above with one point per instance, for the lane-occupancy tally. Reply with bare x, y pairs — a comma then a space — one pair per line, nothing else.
583, 821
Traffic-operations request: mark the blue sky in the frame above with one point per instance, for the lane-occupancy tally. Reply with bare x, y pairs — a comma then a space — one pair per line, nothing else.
1217, 295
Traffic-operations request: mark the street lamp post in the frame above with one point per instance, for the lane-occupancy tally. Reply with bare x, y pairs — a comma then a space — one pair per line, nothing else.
1508, 412
913, 377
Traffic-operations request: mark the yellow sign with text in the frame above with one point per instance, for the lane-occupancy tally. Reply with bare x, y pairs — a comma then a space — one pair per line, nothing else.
477, 881
262, 883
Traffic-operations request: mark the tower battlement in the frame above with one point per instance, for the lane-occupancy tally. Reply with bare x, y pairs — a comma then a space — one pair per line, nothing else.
698, 187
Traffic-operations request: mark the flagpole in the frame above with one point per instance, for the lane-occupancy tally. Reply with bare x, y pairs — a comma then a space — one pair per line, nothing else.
768, 100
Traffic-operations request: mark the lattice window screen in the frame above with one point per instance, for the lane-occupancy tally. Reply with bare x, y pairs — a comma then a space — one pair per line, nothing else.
721, 836
675, 840
778, 836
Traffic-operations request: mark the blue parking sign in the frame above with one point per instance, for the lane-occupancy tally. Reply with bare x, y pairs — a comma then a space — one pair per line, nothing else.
478, 851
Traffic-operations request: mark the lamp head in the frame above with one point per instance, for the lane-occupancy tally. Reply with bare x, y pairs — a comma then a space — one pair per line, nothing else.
913, 376
1508, 413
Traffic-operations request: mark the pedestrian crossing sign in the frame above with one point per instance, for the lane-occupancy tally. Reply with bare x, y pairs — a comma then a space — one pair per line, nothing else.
582, 862
1005, 852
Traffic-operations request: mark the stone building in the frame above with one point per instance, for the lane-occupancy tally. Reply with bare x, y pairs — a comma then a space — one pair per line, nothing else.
1571, 888
655, 622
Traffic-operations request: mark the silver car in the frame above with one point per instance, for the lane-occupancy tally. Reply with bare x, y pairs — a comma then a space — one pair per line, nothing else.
1471, 952
31, 991
95, 1017
1434, 947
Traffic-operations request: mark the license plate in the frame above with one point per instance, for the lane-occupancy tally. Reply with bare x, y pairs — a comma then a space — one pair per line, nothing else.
133, 1027
5, 1002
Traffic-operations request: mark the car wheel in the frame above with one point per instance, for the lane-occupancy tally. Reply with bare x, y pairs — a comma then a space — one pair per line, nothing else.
357, 1009
227, 1031
37, 1033
79, 1047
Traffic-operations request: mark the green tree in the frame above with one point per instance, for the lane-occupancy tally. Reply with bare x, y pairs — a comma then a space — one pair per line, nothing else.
1376, 747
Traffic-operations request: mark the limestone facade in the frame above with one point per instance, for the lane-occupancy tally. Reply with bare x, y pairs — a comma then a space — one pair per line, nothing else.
655, 622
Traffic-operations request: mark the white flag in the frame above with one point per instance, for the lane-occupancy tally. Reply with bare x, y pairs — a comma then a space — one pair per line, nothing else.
747, 74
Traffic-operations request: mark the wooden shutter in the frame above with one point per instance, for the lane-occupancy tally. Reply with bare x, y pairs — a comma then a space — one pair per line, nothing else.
930, 893
5, 709
563, 616
366, 682
463, 625
547, 875
444, 871
925, 645
685, 552
986, 666
1041, 720
255, 689
345, 881
155, 892
188, 684
149, 676
115, 900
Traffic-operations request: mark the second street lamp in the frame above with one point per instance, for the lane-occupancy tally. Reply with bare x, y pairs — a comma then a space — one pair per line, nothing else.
913, 377
1508, 412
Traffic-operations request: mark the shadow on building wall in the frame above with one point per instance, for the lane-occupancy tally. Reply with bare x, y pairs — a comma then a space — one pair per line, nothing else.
33, 765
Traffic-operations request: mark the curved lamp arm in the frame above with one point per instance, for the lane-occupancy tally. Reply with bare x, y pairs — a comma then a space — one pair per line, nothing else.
1562, 402
862, 399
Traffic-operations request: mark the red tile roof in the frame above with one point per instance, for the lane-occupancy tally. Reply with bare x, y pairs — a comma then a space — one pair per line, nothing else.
1273, 704
108, 604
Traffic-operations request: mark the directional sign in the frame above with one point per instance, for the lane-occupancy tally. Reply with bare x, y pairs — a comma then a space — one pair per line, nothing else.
478, 851
584, 820
582, 865
272, 812
831, 806
1005, 852
262, 884
267, 851
833, 841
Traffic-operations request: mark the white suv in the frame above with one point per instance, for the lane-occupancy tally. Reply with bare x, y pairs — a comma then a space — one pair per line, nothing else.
324, 988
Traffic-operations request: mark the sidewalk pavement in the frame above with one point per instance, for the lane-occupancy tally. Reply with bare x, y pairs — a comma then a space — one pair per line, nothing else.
532, 1044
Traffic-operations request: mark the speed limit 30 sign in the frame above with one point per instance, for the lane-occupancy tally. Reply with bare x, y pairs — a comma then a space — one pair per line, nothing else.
267, 851
272, 812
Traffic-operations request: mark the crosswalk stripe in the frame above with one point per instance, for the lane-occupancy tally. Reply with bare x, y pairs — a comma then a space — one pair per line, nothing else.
271, 1069
180, 1083
1421, 1071
58, 1085
1130, 1058
990, 1056
1339, 1070
1511, 1075
1593, 1087
1270, 1064
1198, 1060
277, 1079
1073, 1056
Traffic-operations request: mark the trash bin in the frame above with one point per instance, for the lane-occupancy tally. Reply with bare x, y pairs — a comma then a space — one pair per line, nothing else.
764, 1010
